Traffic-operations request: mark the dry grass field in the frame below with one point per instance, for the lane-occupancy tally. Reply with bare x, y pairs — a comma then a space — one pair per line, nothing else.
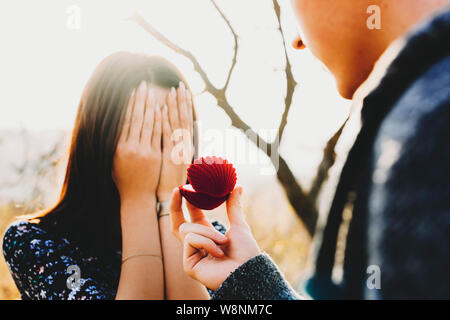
8, 289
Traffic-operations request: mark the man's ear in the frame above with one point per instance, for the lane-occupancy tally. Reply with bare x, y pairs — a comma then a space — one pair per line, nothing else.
298, 43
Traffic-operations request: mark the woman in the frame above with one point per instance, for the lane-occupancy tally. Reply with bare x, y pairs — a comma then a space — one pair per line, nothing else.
104, 238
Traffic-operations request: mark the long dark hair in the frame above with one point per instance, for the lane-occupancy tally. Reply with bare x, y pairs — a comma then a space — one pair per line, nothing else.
88, 210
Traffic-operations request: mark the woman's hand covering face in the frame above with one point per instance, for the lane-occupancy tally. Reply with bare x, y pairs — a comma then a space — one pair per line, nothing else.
178, 148
138, 154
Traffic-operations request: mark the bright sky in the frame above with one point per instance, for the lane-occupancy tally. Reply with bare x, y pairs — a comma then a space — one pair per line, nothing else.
44, 64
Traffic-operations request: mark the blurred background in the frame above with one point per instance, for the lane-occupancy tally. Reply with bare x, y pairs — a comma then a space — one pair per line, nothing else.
50, 48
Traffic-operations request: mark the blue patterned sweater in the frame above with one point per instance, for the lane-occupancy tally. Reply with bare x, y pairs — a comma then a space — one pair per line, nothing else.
47, 267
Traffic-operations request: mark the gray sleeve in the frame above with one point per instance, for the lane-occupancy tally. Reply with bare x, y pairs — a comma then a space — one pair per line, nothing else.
257, 279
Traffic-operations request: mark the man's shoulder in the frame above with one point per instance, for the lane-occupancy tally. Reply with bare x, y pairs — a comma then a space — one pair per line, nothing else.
412, 142
425, 98
408, 200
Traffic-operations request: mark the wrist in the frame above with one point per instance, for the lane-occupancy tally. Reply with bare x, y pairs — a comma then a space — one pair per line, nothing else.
163, 209
135, 210
141, 198
164, 196
140, 231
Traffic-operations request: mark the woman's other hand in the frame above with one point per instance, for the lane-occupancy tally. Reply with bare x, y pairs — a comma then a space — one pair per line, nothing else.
137, 160
178, 148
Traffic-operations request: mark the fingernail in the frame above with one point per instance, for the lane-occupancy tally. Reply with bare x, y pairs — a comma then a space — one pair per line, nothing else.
172, 92
165, 109
220, 251
182, 85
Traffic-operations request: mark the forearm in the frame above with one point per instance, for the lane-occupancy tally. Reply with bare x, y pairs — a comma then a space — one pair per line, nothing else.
141, 277
178, 285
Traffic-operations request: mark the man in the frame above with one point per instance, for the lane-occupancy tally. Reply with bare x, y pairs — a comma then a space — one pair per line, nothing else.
396, 177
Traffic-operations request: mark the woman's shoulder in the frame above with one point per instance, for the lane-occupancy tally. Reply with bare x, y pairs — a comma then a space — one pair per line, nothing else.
20, 230
23, 237
41, 262
23, 228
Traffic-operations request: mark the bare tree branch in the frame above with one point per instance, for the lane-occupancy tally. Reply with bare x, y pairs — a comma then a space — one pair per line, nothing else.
136, 17
328, 159
235, 38
219, 94
290, 81
303, 203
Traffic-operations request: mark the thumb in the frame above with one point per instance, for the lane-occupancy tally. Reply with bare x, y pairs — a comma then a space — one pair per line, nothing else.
234, 209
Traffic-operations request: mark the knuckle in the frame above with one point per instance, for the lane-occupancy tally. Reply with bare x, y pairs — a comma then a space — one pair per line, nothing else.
125, 150
190, 237
119, 148
131, 151
210, 243
144, 154
182, 228
216, 235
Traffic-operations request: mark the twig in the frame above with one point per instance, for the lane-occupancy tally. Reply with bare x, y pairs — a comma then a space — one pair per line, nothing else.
290, 81
328, 159
136, 17
236, 46
302, 203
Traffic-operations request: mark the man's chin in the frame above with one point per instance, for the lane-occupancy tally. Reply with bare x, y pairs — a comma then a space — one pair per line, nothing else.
347, 90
